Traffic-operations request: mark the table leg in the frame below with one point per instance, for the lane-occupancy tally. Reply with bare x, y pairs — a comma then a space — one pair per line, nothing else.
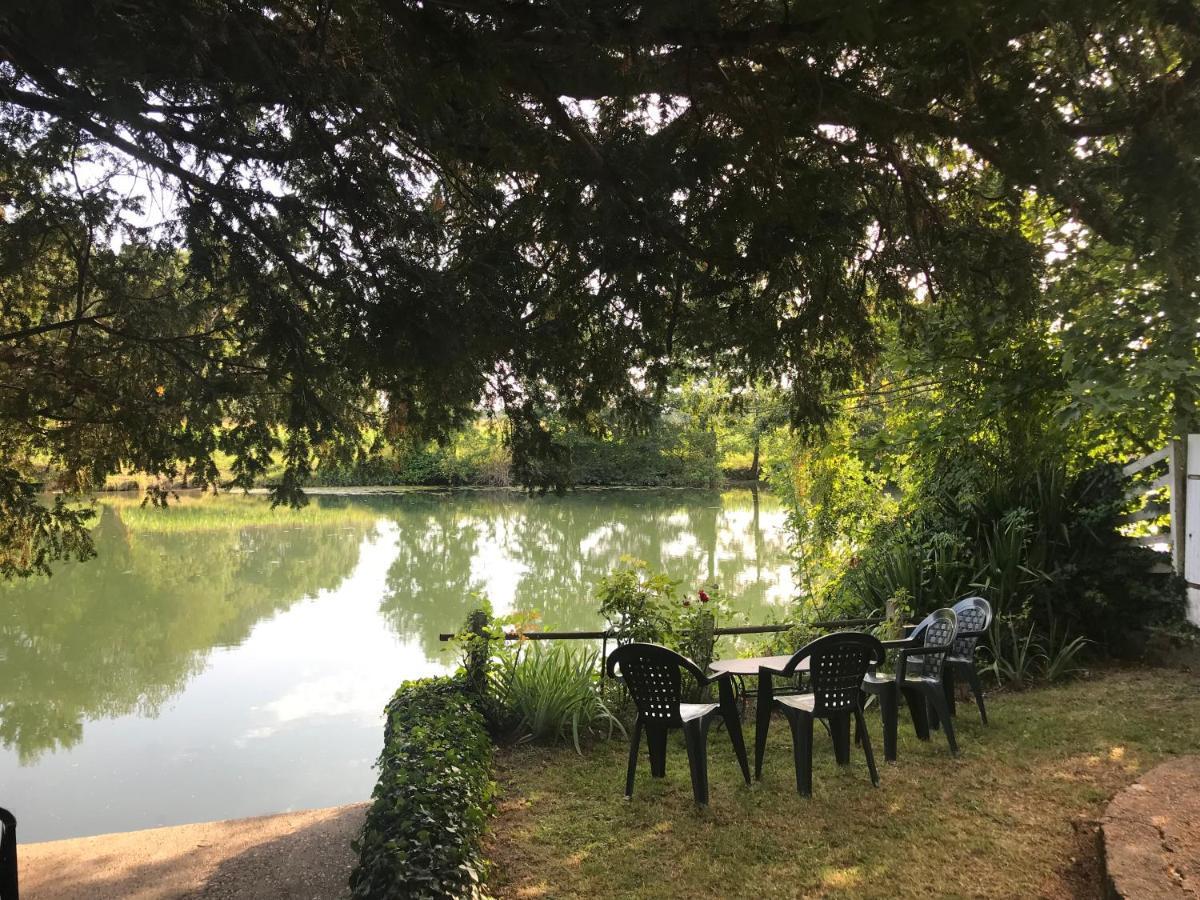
762, 721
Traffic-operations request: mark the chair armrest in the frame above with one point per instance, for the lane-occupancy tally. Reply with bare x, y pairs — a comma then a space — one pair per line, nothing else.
904, 653
765, 670
922, 649
899, 645
702, 678
728, 688
706, 680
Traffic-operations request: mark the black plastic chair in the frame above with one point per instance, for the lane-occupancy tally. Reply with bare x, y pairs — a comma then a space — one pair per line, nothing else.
652, 675
974, 619
919, 679
837, 664
8, 856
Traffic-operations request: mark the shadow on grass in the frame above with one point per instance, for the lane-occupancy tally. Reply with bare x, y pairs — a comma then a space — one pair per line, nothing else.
1012, 816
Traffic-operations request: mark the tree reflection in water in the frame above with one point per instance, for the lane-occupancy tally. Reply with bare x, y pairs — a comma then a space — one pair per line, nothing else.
124, 633
546, 553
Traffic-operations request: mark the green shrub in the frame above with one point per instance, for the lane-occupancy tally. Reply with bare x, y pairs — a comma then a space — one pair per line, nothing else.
529, 690
696, 621
421, 839
1043, 547
1062, 657
638, 605
671, 453
476, 454
1020, 656
552, 691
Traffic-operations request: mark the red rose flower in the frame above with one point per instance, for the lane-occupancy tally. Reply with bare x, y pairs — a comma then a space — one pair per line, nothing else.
703, 597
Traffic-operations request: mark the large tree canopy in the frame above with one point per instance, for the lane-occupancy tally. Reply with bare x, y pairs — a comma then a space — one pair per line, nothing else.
222, 217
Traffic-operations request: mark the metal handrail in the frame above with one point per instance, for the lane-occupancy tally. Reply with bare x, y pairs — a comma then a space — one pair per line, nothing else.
719, 632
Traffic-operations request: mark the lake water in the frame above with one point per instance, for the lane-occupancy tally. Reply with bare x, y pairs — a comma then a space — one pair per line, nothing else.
220, 659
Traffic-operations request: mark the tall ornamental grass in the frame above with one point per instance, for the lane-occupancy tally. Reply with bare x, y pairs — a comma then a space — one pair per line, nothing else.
552, 692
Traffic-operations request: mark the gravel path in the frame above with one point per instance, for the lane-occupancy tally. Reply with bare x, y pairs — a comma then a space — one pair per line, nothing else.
292, 855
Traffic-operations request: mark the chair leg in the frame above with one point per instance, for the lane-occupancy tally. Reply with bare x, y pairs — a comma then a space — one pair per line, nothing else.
695, 736
656, 740
948, 680
859, 724
839, 731
976, 684
860, 728
889, 710
635, 745
918, 710
938, 700
704, 726
733, 724
762, 721
802, 741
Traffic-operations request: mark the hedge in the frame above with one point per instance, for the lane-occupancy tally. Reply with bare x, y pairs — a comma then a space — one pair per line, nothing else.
422, 837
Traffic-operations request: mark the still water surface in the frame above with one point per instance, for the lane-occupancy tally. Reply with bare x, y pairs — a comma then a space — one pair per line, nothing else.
220, 659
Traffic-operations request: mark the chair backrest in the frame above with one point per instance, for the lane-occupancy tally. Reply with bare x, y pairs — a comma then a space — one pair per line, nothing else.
935, 630
837, 664
652, 675
8, 856
974, 618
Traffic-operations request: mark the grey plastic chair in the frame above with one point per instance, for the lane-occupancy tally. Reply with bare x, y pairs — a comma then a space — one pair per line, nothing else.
918, 679
974, 619
837, 664
652, 675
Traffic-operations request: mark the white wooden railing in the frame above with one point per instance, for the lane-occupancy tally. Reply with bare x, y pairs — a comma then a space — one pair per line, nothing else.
1181, 480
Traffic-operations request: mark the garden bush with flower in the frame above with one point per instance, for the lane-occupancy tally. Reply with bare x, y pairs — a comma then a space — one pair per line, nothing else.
640, 605
697, 617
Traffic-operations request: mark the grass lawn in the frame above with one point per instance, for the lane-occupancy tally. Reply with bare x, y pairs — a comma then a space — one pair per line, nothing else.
1012, 816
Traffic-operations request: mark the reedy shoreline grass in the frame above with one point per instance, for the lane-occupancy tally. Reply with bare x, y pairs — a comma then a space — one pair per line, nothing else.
206, 513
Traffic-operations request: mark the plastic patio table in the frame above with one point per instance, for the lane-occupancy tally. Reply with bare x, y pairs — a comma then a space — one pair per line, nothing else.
742, 667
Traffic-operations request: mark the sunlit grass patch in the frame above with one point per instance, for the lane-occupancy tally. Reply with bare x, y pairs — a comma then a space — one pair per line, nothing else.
189, 513
1010, 817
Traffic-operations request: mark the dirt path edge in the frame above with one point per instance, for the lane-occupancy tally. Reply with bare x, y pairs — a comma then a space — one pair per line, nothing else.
304, 854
